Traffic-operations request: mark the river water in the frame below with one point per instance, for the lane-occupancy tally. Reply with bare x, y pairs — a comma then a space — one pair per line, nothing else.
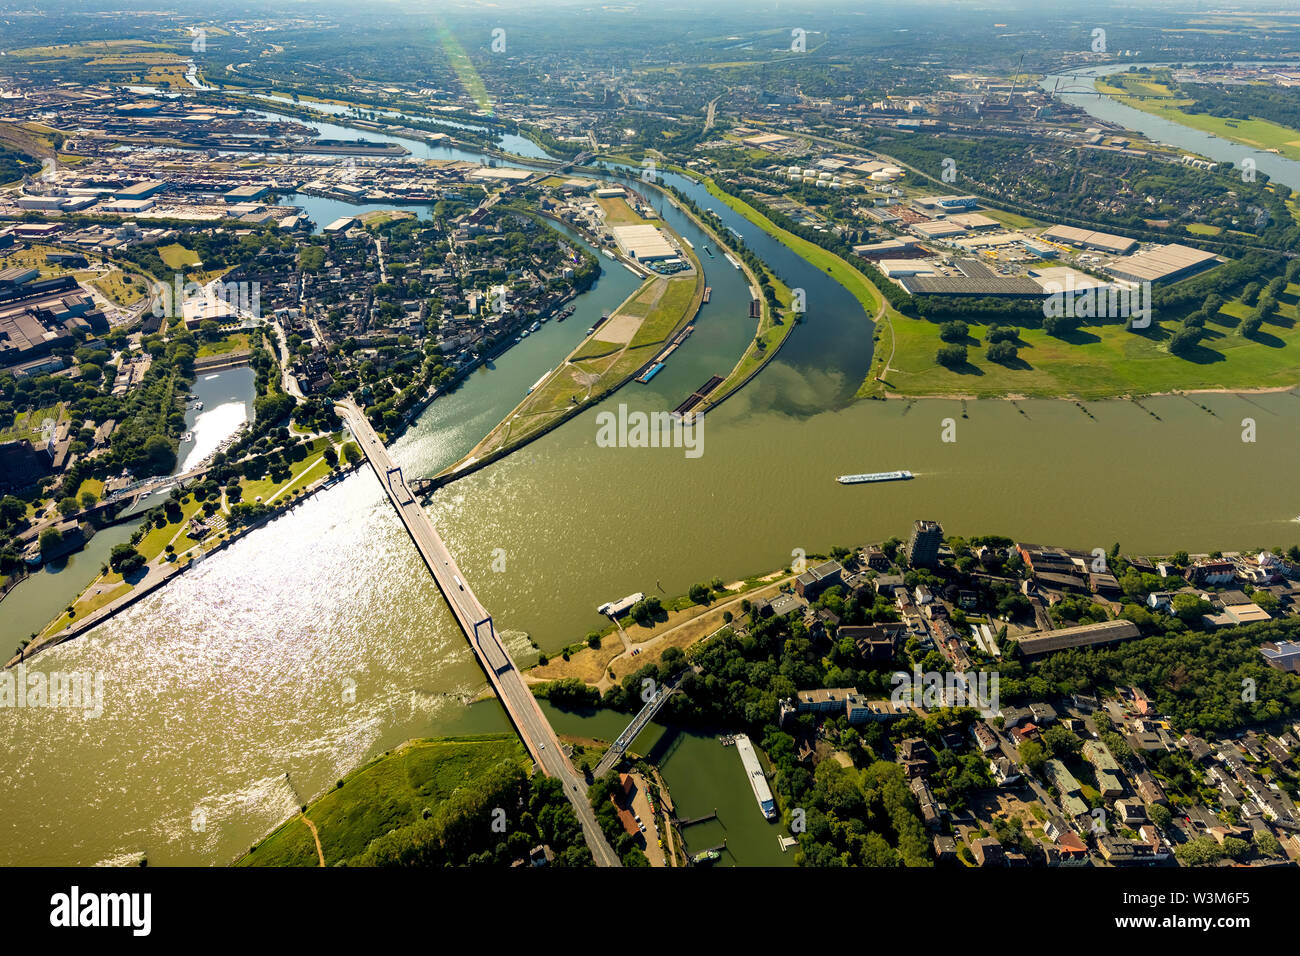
320, 640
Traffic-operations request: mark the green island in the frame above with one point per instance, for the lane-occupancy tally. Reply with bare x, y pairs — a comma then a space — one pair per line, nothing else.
637, 330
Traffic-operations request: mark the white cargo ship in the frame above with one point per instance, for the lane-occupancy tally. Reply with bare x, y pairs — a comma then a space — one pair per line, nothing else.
874, 476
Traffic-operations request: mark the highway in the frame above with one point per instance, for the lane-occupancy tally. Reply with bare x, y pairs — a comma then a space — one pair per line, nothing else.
533, 727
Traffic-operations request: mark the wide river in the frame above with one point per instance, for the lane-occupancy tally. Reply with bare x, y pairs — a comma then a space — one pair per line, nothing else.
254, 681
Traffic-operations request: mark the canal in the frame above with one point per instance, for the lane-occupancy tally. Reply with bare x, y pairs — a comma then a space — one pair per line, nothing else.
319, 641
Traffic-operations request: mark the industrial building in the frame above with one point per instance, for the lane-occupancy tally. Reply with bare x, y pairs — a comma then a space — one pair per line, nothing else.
975, 279
645, 243
947, 202
1162, 264
937, 229
1088, 239
37, 316
141, 190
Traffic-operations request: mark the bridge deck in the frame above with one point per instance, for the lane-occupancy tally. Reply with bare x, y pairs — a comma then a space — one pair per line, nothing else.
533, 727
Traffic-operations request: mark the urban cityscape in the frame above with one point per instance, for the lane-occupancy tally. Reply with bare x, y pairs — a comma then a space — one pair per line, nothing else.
544, 435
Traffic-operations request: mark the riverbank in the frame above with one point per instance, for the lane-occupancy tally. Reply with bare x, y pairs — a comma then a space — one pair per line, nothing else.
1151, 93
395, 790
627, 646
109, 593
1099, 360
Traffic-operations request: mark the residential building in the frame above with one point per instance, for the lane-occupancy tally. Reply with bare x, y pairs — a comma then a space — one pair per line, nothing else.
923, 546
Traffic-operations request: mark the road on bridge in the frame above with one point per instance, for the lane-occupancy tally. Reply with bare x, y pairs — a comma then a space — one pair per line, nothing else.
531, 723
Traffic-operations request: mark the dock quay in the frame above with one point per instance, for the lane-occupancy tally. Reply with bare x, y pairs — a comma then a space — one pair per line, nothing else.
656, 364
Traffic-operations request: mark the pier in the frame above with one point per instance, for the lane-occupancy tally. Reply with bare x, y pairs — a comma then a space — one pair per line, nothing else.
678, 822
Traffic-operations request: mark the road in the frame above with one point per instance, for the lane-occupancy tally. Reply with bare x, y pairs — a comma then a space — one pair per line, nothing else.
638, 724
533, 727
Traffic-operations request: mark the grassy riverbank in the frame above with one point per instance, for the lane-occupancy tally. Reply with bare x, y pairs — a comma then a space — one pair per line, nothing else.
390, 792
679, 622
1102, 360
1151, 93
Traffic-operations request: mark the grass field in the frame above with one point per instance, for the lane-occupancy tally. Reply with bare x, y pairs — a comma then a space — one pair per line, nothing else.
269, 490
619, 213
1100, 361
234, 342
391, 791
177, 256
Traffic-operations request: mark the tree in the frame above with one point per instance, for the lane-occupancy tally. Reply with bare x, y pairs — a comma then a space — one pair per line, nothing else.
51, 540
125, 559
159, 456
1189, 607
351, 453
68, 506
1160, 815
951, 356
89, 499
273, 407
1059, 325
1267, 844
1001, 352
1061, 743
1033, 756
11, 509
1199, 851
954, 331
1185, 339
